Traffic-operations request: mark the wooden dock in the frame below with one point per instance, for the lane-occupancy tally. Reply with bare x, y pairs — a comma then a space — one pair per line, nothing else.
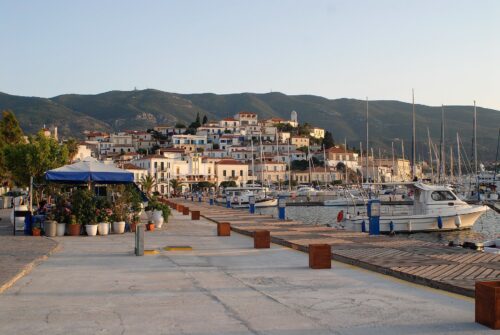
448, 268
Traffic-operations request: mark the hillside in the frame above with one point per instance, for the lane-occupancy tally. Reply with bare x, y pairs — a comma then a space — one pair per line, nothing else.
345, 118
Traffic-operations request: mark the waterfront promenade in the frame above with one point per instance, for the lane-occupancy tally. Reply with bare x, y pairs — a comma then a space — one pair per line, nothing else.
94, 285
449, 268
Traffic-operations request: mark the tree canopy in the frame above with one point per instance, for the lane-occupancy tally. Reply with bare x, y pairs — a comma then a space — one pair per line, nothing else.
328, 141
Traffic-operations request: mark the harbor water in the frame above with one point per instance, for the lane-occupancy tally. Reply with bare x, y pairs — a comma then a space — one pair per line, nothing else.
486, 228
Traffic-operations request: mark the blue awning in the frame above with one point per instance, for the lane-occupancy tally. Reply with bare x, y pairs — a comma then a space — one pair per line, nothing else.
89, 170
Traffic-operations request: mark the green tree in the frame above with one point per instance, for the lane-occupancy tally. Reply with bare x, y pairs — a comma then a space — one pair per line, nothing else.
205, 119
175, 185
230, 183
34, 158
328, 141
10, 134
72, 145
148, 182
10, 131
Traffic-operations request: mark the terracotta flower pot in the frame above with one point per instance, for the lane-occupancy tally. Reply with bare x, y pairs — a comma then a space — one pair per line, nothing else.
74, 229
133, 227
36, 231
150, 226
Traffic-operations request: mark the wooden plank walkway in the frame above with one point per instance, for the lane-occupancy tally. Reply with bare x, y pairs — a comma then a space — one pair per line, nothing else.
431, 264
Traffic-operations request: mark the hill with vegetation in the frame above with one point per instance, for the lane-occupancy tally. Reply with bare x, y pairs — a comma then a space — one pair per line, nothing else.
390, 121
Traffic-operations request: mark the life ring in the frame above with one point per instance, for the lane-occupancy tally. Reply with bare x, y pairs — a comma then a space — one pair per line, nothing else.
340, 216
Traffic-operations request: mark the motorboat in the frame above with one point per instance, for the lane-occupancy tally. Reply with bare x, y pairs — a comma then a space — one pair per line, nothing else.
240, 197
347, 201
435, 208
306, 190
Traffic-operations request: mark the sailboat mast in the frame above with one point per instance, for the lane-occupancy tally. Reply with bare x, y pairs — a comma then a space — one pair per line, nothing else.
361, 160
442, 154
345, 157
459, 159
404, 163
392, 170
367, 147
430, 153
451, 163
475, 139
253, 168
324, 164
413, 138
289, 167
262, 163
373, 166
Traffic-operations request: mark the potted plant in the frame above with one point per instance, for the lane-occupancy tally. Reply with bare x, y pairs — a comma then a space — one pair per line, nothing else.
74, 228
118, 222
84, 207
36, 230
63, 214
50, 225
102, 218
134, 221
150, 226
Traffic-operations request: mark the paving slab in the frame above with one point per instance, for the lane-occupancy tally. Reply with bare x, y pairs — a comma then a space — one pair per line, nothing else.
94, 285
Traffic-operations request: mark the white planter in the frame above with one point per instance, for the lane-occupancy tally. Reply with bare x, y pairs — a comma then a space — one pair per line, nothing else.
119, 227
158, 218
91, 229
61, 229
149, 215
103, 228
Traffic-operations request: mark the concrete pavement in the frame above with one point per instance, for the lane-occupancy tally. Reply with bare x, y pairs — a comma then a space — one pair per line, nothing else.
94, 285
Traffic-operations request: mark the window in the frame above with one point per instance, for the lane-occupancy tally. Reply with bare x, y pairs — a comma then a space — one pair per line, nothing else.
442, 196
156, 165
224, 173
233, 173
241, 173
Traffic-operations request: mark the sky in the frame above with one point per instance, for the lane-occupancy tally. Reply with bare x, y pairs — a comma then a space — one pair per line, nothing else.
448, 51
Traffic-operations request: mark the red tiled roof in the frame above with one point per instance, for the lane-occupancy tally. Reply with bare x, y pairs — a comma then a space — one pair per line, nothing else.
128, 166
229, 162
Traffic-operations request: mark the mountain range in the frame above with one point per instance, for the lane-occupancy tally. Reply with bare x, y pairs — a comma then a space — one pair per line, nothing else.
390, 121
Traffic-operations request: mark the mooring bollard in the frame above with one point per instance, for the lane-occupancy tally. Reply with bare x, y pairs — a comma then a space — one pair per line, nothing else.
320, 256
211, 201
228, 201
281, 207
488, 303
223, 229
373, 210
251, 204
195, 215
261, 239
139, 240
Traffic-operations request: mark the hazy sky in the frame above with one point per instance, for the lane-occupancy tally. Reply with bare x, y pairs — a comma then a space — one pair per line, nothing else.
449, 51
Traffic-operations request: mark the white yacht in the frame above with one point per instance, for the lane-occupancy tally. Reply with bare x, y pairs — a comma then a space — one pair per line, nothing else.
435, 208
240, 196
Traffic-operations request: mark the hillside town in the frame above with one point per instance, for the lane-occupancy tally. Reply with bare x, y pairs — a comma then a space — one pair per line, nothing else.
237, 151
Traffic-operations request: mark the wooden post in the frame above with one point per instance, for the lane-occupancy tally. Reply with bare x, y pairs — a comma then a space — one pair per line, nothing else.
185, 211
261, 239
488, 303
320, 256
195, 215
223, 229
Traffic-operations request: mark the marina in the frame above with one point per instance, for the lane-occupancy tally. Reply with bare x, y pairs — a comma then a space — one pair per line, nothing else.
432, 264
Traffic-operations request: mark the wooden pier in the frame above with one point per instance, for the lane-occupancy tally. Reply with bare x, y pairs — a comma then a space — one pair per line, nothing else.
448, 268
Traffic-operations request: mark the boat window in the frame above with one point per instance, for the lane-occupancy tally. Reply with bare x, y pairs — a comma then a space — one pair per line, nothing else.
442, 196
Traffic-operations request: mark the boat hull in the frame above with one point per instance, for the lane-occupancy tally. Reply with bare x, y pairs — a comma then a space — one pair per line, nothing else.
258, 203
421, 223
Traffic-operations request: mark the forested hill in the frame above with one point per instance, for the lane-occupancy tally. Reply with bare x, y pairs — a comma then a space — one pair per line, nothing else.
345, 118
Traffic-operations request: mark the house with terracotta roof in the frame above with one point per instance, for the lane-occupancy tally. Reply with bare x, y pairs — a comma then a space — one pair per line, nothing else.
231, 170
230, 124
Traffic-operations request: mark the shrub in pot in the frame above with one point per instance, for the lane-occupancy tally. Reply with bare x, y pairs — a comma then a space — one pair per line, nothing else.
103, 215
50, 225
74, 228
84, 206
134, 222
63, 215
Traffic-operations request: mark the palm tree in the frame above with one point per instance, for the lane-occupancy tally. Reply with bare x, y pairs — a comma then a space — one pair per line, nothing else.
175, 185
148, 182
